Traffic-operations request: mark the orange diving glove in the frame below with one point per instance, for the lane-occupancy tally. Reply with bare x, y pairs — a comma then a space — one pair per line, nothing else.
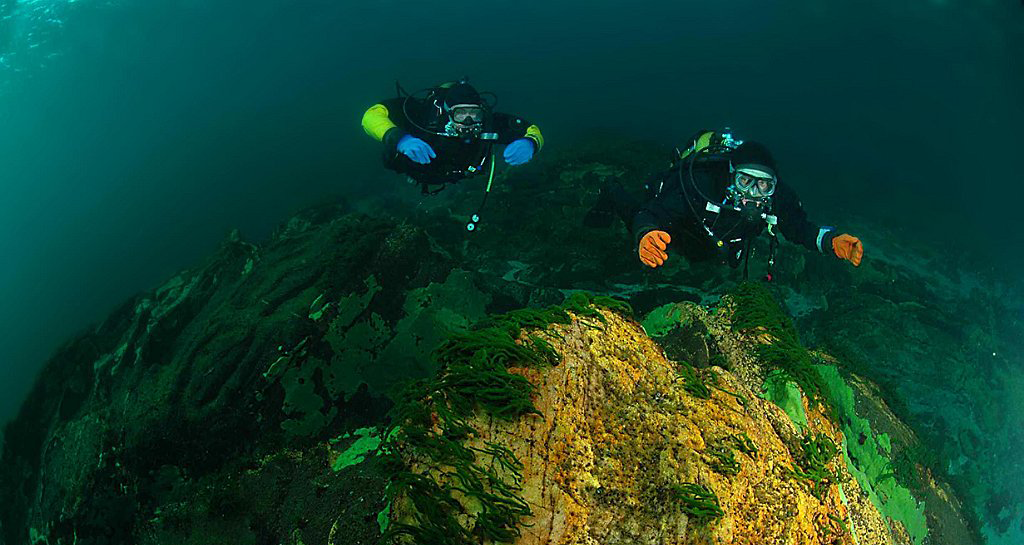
652, 248
848, 247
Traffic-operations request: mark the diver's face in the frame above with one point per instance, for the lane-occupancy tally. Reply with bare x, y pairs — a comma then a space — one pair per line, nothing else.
466, 119
754, 186
467, 114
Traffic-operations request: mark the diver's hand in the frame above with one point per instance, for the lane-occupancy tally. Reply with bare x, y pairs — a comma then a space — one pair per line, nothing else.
848, 247
652, 248
519, 151
416, 149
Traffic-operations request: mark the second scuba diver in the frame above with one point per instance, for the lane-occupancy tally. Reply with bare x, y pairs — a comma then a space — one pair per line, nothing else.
718, 195
448, 134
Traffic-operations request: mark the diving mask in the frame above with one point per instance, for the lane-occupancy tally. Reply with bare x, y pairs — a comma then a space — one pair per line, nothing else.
465, 121
754, 183
467, 114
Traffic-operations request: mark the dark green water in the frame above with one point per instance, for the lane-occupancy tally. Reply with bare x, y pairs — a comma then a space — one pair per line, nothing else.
134, 135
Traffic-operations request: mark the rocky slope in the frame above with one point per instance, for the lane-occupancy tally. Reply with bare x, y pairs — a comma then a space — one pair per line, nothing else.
240, 401
628, 446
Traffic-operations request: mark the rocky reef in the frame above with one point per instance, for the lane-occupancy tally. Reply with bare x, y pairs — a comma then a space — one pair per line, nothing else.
376, 374
616, 443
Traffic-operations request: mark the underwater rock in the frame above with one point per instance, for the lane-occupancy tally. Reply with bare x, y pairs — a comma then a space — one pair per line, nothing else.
620, 450
225, 363
235, 382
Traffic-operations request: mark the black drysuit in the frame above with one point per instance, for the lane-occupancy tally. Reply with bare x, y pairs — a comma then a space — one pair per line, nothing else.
687, 202
457, 158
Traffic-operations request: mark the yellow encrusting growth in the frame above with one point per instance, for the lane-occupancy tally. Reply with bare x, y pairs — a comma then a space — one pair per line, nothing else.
618, 436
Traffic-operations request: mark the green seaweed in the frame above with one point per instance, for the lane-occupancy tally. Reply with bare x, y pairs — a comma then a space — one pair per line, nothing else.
723, 460
303, 403
716, 384
698, 502
840, 522
36, 537
358, 451
612, 304
662, 320
692, 381
430, 424
785, 393
817, 451
582, 304
756, 311
384, 518
742, 443
884, 471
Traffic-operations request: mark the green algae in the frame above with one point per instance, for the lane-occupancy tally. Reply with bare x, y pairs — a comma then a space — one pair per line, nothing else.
884, 442
757, 312
878, 475
367, 442
723, 460
432, 314
816, 452
850, 527
662, 320
786, 394
350, 307
302, 403
742, 443
608, 303
384, 518
312, 384
581, 304
698, 502
35, 537
793, 374
430, 424
869, 461
692, 381
366, 350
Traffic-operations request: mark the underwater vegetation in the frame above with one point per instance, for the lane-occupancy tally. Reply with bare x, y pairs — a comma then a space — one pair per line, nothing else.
429, 426
698, 502
257, 397
757, 312
817, 451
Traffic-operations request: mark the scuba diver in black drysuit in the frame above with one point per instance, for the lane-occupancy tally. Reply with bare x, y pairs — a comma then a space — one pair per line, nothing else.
447, 134
718, 195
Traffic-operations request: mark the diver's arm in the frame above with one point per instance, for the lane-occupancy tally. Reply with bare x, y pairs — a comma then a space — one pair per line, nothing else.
660, 213
384, 122
645, 221
511, 128
796, 227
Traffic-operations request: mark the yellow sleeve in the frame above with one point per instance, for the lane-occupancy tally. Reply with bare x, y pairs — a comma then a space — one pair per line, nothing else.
533, 133
376, 121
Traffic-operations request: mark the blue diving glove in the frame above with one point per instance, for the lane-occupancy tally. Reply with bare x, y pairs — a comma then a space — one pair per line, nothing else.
416, 149
519, 151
